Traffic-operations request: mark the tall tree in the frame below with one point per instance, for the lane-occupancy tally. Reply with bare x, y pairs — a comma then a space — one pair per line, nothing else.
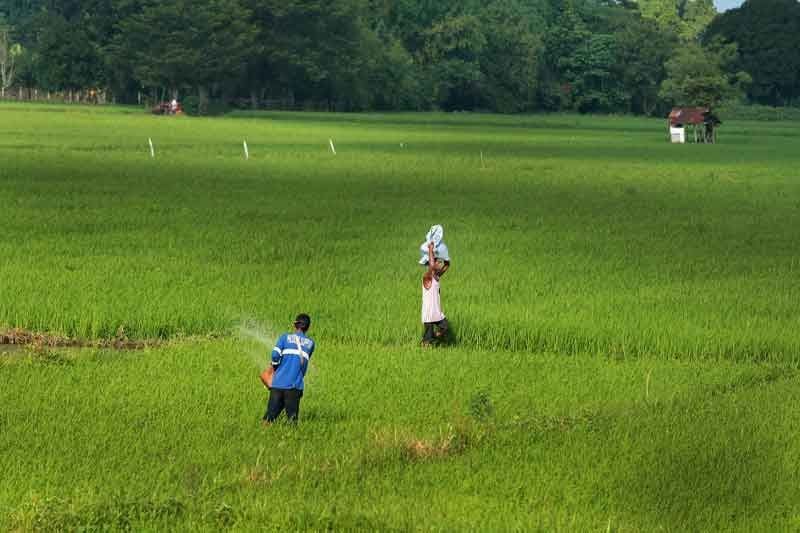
8, 58
699, 76
563, 67
512, 55
500, 55
67, 60
311, 48
642, 51
410, 20
767, 34
18, 13
186, 44
684, 18
452, 51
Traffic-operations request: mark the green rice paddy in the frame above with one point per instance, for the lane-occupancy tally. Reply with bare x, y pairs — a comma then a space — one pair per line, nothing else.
625, 310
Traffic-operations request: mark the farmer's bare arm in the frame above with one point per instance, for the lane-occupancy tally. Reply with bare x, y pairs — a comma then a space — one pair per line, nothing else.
431, 259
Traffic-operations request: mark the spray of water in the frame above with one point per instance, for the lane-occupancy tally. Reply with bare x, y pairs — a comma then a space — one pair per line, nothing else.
257, 340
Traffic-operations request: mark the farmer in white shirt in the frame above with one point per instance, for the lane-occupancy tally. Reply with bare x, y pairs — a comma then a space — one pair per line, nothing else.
433, 318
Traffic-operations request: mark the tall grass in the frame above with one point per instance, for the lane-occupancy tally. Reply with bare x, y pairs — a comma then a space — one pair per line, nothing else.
624, 309
577, 234
395, 439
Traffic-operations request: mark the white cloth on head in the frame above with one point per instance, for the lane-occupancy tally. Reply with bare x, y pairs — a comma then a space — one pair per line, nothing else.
435, 234
439, 252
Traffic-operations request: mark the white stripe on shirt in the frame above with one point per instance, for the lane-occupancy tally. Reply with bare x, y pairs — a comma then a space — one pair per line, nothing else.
292, 351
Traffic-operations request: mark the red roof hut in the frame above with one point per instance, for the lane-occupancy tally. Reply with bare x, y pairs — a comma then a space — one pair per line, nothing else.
681, 116
703, 121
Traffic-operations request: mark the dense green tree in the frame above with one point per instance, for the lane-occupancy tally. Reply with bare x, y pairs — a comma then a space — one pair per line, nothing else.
66, 58
684, 18
310, 49
452, 54
26, 73
699, 76
18, 13
512, 55
503, 55
186, 44
411, 20
9, 53
394, 76
393, 79
695, 16
595, 86
642, 51
564, 58
767, 34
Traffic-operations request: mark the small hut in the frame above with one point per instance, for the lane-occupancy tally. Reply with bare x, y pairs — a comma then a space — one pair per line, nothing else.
702, 121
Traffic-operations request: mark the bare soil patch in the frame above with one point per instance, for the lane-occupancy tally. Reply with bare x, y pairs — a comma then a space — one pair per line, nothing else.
22, 337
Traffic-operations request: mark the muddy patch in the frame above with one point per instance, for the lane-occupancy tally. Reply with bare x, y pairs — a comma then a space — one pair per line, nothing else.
14, 339
12, 351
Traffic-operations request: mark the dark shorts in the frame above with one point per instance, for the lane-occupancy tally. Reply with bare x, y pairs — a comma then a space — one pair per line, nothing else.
435, 330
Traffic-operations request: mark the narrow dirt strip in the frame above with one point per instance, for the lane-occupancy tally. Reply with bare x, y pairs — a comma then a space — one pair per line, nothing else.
29, 338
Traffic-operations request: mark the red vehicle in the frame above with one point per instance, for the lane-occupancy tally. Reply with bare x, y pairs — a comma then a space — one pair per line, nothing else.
168, 108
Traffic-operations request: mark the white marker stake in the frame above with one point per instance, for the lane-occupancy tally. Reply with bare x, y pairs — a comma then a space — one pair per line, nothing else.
482, 159
152, 150
246, 151
333, 148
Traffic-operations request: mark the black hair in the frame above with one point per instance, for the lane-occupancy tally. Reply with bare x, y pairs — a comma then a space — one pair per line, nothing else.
302, 322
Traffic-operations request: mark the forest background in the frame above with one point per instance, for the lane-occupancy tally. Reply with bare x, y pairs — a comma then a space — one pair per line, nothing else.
591, 56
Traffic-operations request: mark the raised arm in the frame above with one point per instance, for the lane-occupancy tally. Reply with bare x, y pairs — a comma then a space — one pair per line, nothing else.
431, 259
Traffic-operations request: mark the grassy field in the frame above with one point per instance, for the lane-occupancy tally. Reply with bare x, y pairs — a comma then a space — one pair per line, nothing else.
626, 314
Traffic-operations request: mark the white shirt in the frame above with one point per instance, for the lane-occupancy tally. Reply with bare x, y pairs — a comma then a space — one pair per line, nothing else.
431, 303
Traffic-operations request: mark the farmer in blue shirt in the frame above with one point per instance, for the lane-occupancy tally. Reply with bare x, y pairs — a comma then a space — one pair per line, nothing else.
290, 358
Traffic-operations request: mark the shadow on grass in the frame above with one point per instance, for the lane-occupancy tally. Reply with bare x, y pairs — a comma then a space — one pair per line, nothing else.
53, 514
325, 415
445, 340
475, 120
694, 467
340, 518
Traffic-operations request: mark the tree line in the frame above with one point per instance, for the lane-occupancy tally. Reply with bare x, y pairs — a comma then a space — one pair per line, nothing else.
496, 55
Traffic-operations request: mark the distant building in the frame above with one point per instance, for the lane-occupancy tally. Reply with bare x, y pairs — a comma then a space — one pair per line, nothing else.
702, 121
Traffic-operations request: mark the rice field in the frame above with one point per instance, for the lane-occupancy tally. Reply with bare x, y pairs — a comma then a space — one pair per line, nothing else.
625, 313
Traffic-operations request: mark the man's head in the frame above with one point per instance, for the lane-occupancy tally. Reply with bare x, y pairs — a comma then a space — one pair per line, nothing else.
302, 322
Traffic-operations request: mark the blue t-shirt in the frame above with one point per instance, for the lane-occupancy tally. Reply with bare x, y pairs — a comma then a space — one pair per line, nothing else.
290, 358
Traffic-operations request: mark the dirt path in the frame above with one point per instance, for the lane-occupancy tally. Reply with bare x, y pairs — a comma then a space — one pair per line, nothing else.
28, 338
